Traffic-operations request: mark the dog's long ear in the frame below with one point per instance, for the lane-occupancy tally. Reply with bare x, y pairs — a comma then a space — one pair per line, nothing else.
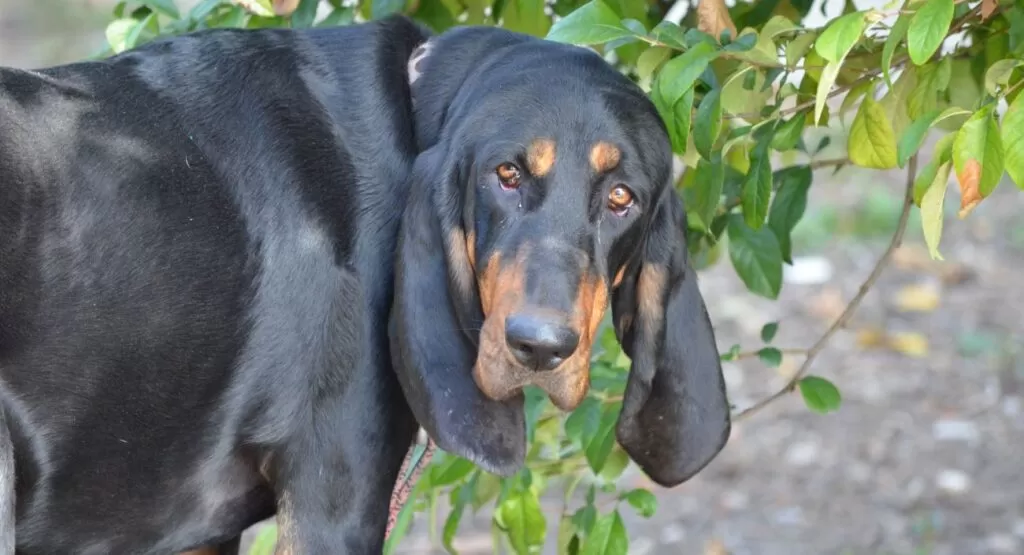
675, 414
434, 303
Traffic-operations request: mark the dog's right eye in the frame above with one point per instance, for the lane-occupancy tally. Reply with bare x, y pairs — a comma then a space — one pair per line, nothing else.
508, 175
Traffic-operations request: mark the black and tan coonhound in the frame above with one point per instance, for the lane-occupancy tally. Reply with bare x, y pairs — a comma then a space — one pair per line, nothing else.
239, 269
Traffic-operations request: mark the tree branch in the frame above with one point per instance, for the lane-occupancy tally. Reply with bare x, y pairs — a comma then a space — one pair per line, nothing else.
897, 239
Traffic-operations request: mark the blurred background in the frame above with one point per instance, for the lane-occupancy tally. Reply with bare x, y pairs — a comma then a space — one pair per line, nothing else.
926, 454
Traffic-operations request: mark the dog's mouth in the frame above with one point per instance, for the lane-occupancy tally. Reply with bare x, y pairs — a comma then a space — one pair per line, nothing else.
523, 344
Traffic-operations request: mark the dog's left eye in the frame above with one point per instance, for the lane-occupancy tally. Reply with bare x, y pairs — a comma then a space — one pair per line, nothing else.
620, 199
508, 175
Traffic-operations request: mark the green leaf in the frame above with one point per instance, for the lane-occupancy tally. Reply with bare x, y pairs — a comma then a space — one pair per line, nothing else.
768, 331
744, 94
819, 394
924, 179
305, 14
382, 8
117, 32
932, 81
265, 541
676, 116
916, 133
708, 123
977, 158
645, 503
828, 78
896, 34
788, 135
601, 443
788, 206
651, 60
932, 203
522, 520
999, 75
451, 471
731, 354
583, 422
770, 356
757, 186
451, 524
526, 16
756, 257
706, 191
591, 23
614, 465
165, 7
679, 74
486, 489
928, 28
1013, 140
608, 537
670, 33
840, 36
798, 47
872, 142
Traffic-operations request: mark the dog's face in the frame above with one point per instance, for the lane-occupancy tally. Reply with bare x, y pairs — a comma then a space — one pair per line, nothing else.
542, 196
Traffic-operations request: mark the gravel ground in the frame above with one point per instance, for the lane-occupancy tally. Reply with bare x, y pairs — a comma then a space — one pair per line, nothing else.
923, 456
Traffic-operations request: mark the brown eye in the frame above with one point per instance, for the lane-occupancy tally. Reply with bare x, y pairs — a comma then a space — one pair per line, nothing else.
508, 175
620, 198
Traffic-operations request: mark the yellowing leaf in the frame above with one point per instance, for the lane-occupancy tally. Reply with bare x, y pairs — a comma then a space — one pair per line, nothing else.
932, 204
872, 142
828, 78
922, 297
978, 159
912, 344
1013, 141
713, 18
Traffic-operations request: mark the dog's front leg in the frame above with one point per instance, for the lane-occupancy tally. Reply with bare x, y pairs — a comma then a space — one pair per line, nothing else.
334, 482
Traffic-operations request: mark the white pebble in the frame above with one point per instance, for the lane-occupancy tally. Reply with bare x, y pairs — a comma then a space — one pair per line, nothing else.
953, 481
955, 430
802, 453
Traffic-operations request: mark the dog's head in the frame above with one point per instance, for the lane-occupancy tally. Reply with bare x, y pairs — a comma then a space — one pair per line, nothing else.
543, 194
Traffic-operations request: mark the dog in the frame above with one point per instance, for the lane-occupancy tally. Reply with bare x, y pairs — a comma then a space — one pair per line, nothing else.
240, 269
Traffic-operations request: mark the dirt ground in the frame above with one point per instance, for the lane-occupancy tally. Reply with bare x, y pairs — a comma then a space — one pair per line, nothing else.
921, 459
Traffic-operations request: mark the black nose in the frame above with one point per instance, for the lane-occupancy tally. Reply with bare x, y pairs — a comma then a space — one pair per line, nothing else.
539, 342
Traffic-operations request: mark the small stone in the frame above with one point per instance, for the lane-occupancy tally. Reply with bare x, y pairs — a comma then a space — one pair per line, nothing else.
735, 500
954, 430
733, 375
859, 472
915, 489
953, 481
808, 270
1003, 543
1012, 406
1018, 528
640, 546
802, 453
673, 533
790, 516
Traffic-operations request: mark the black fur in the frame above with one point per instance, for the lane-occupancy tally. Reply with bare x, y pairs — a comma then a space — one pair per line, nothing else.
200, 242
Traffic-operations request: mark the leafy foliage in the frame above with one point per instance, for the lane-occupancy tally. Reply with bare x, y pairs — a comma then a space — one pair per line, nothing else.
738, 89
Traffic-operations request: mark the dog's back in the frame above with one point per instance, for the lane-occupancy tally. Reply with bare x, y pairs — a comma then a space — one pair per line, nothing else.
193, 243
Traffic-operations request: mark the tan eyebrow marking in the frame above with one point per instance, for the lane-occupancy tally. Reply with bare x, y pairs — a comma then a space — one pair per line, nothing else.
540, 157
604, 157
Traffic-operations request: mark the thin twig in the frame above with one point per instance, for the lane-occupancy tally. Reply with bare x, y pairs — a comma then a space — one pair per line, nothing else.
897, 239
756, 354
